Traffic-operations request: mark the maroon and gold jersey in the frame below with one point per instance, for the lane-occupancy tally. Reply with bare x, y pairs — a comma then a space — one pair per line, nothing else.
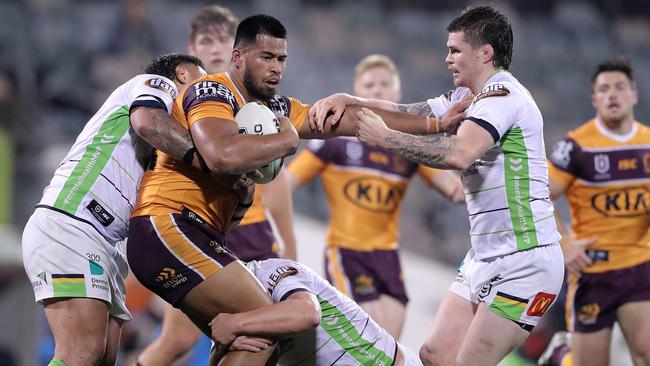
608, 190
364, 187
172, 185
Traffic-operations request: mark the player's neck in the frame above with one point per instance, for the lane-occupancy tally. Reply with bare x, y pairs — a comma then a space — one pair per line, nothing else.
483, 77
618, 127
238, 81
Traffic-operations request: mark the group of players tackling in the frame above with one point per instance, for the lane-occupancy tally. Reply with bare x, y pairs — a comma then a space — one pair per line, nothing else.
162, 164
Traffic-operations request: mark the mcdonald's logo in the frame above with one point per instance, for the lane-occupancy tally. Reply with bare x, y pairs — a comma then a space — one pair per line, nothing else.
540, 304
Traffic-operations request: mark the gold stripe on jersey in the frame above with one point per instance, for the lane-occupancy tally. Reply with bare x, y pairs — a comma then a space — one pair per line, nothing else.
172, 185
608, 191
182, 247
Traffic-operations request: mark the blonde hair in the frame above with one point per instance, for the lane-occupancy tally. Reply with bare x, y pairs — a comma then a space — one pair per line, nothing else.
377, 60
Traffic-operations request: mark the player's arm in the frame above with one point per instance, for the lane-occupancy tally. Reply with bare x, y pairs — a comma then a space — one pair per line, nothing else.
226, 151
332, 110
445, 182
560, 168
276, 197
300, 311
436, 151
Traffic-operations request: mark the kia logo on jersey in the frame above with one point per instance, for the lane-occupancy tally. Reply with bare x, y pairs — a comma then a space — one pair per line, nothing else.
373, 193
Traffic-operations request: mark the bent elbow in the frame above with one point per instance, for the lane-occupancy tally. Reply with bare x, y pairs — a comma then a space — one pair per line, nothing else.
314, 317
220, 165
461, 163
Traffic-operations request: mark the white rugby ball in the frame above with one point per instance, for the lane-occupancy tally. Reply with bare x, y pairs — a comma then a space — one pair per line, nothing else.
258, 119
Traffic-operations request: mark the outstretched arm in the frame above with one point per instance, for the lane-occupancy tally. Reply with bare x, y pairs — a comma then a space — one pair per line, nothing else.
437, 151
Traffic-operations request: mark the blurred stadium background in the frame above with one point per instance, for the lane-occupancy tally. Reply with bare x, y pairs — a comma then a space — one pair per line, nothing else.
59, 59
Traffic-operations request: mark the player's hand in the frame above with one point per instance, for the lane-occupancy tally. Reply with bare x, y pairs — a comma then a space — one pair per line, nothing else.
575, 257
223, 329
335, 104
450, 121
288, 128
372, 129
250, 344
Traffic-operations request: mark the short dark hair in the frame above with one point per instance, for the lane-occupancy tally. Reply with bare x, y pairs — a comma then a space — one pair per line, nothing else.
213, 16
250, 27
165, 65
486, 25
619, 63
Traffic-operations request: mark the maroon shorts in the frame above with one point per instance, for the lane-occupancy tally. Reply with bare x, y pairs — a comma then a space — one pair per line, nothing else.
593, 299
364, 276
170, 254
253, 242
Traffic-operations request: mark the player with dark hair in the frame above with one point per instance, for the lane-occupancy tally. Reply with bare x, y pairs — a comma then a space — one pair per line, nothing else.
367, 184
181, 217
513, 272
603, 169
73, 243
212, 39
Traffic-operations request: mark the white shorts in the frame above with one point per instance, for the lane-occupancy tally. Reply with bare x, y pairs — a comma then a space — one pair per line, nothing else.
520, 286
65, 257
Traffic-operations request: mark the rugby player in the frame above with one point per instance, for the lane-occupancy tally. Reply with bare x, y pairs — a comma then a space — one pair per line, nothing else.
514, 270
212, 35
73, 243
366, 185
603, 170
181, 216
316, 323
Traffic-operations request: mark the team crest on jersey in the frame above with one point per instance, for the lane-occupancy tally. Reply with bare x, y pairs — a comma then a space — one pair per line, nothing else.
162, 85
280, 105
354, 150
601, 163
494, 90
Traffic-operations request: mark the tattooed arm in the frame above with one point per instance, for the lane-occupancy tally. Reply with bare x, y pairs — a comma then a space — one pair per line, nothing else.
421, 108
437, 151
162, 132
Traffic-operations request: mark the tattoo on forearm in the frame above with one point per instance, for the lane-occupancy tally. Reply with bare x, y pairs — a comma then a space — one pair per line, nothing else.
429, 150
420, 109
168, 136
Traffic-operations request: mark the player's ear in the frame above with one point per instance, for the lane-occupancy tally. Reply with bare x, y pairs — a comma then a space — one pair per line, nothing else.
182, 74
487, 53
237, 57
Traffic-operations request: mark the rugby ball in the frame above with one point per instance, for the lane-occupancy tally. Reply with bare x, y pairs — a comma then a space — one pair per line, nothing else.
258, 119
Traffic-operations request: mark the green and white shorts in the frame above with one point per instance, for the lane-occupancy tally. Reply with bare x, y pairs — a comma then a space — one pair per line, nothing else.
521, 286
67, 258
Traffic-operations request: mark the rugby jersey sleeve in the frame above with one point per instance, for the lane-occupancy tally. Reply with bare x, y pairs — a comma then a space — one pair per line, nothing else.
494, 109
441, 104
427, 174
152, 91
564, 158
208, 99
291, 108
291, 284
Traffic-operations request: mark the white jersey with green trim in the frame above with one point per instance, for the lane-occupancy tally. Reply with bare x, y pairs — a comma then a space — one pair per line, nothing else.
346, 334
506, 190
97, 181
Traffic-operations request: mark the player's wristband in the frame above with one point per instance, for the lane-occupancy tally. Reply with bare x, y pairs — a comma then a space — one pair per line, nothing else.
189, 155
432, 121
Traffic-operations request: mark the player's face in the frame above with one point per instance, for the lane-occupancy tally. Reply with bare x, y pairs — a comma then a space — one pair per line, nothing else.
265, 61
614, 96
214, 48
377, 83
463, 59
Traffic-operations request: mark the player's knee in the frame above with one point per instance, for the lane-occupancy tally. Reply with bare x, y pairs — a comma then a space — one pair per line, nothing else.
431, 356
88, 351
641, 349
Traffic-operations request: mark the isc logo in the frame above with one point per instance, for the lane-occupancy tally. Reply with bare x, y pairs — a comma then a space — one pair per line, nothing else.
374, 194
623, 202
